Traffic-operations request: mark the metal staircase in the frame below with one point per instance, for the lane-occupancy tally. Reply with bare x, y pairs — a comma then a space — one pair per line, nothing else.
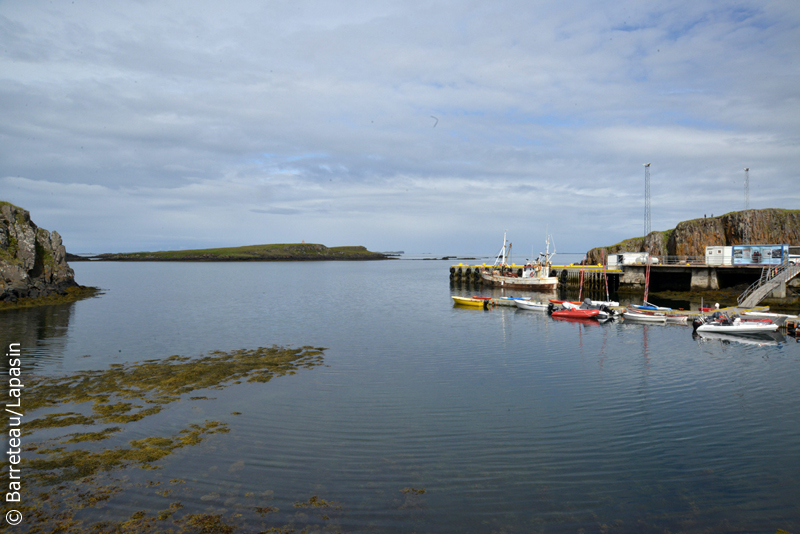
771, 278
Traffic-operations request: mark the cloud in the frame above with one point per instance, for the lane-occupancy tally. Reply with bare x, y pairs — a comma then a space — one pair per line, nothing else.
196, 123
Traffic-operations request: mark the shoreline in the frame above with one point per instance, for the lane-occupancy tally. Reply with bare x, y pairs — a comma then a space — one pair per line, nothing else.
72, 294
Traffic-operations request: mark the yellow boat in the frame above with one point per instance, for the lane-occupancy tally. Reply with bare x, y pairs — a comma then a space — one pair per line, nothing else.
474, 302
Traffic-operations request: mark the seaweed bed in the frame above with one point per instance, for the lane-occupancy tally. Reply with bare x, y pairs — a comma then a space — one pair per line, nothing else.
71, 479
72, 294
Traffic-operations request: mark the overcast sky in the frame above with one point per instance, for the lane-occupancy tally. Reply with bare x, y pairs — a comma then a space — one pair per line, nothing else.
423, 126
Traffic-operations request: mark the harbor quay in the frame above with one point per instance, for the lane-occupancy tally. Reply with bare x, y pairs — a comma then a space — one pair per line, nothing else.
663, 277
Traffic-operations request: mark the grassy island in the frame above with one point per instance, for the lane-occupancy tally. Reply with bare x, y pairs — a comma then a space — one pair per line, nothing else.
276, 252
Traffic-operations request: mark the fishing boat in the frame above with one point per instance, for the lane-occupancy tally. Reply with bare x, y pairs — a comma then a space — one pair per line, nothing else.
472, 302
534, 275
531, 305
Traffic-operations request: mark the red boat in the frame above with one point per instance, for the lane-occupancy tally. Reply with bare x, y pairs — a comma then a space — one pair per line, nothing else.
576, 314
578, 320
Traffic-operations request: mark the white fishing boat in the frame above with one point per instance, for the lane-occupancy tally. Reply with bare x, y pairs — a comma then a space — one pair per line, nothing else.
533, 276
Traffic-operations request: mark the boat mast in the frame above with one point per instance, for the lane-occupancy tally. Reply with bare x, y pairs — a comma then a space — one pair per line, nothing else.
501, 256
547, 255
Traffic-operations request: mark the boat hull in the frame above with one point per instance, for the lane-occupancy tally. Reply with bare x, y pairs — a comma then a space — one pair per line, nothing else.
471, 302
530, 305
741, 328
679, 319
545, 283
576, 314
644, 317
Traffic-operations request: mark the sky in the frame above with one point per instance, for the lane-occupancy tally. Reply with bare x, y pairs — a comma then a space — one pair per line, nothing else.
422, 126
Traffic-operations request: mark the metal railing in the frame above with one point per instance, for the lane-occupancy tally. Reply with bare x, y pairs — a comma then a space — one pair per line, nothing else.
771, 277
680, 260
672, 260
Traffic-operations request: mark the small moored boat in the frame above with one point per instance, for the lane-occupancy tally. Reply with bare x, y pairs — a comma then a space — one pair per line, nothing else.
473, 302
722, 324
650, 307
576, 313
633, 315
680, 319
571, 312
531, 305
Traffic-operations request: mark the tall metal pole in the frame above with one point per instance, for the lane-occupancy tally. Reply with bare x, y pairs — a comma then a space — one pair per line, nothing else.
646, 199
746, 233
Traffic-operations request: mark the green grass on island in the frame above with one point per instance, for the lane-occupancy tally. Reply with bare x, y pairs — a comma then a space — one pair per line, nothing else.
276, 252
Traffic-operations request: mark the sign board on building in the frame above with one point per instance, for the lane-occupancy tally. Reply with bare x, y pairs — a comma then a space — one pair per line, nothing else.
759, 254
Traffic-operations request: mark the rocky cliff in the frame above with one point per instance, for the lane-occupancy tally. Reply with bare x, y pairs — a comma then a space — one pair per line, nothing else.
32, 260
690, 238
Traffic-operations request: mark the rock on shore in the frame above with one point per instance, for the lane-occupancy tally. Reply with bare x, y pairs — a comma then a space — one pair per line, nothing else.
690, 238
32, 260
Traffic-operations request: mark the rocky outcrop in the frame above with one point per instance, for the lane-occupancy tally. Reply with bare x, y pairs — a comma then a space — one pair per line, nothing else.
690, 238
32, 260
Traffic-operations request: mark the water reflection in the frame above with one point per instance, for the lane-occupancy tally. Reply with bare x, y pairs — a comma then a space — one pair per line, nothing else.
40, 331
771, 338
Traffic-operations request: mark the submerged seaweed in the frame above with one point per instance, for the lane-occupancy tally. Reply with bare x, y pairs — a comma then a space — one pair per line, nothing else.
71, 294
73, 479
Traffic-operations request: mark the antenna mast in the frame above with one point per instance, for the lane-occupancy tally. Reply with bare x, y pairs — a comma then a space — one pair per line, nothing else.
646, 199
746, 232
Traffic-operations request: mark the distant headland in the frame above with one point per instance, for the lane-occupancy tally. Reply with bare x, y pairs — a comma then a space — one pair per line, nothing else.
276, 252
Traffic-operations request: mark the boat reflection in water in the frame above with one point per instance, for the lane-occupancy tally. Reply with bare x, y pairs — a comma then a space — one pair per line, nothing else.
760, 339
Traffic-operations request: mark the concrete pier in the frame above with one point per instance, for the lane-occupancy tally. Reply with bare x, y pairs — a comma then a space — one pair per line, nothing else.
686, 277
568, 275
704, 278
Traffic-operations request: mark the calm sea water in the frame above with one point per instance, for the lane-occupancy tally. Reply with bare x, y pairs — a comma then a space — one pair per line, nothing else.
432, 418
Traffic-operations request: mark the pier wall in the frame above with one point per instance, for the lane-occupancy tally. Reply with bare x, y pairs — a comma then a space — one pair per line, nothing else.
569, 276
662, 277
689, 277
